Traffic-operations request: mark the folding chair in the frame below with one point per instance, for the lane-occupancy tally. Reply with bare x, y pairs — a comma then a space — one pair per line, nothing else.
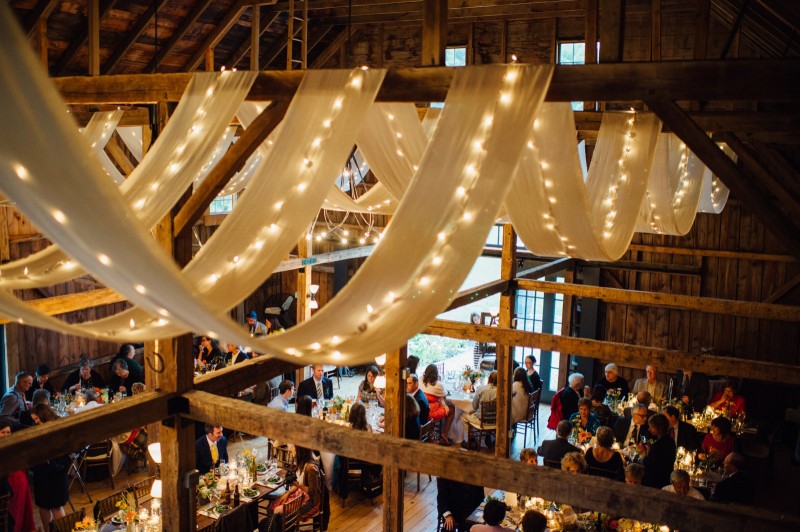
74, 472
98, 455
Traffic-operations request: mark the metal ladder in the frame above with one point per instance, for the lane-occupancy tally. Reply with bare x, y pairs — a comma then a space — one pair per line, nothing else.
297, 59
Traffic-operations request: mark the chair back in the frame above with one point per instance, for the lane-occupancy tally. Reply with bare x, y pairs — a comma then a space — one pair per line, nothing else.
98, 452
533, 404
291, 514
488, 413
67, 523
141, 490
4, 512
261, 393
427, 432
105, 508
284, 457
555, 464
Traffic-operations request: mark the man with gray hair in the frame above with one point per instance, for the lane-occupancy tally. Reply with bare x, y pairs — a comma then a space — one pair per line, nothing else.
679, 483
627, 430
658, 390
612, 381
13, 401
571, 394
552, 451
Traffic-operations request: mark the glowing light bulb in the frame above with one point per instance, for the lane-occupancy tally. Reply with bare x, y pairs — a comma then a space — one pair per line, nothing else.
141, 289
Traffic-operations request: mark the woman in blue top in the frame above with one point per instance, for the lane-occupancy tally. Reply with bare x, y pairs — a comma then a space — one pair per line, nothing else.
584, 419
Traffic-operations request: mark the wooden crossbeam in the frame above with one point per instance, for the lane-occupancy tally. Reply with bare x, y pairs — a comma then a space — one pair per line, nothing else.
234, 378
78, 41
219, 31
741, 185
265, 22
53, 306
637, 502
42, 11
709, 305
624, 354
685, 80
233, 160
545, 270
733, 255
180, 32
783, 290
655, 267
346, 33
38, 444
117, 153
138, 29
477, 293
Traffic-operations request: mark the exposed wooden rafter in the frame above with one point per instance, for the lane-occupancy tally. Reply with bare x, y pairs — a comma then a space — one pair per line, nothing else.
266, 20
138, 29
197, 10
219, 31
42, 10
76, 43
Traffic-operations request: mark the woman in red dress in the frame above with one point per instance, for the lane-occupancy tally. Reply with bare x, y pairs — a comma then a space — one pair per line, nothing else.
20, 507
719, 441
440, 407
728, 401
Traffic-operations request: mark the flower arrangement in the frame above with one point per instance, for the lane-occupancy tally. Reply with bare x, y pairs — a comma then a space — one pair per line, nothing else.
127, 506
87, 523
471, 374
578, 433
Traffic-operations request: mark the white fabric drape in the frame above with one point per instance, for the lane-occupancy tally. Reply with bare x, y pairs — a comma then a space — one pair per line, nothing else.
132, 137
98, 132
714, 195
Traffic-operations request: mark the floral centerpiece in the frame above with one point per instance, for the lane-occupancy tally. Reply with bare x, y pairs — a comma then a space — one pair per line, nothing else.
250, 458
337, 405
127, 507
85, 524
471, 374
103, 395
580, 435
206, 483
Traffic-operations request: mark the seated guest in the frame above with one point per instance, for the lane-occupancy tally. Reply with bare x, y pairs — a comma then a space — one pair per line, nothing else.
367, 390
679, 483
304, 405
13, 402
358, 417
529, 456
318, 386
494, 512
602, 460
728, 401
126, 353
599, 408
485, 394
642, 398
658, 390
612, 381
309, 486
42, 413
533, 375
533, 521
90, 401
573, 463
123, 377
255, 327
20, 505
210, 352
455, 501
83, 377
520, 389
628, 431
634, 473
583, 419
412, 428
42, 381
236, 354
138, 387
552, 451
210, 449
440, 408
683, 433
736, 485
570, 395
660, 459
40, 396
412, 387
692, 389
281, 401
719, 441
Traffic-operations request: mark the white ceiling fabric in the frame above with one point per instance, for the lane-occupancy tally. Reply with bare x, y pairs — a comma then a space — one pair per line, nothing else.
132, 137
715, 194
98, 132
200, 122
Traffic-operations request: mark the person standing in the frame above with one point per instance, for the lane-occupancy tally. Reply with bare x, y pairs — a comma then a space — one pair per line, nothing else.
412, 387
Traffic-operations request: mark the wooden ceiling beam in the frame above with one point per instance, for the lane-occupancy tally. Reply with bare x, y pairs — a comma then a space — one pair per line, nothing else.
230, 380
219, 31
347, 33
138, 29
747, 190
42, 11
780, 167
732, 255
52, 306
180, 32
725, 307
647, 504
231, 162
685, 80
77, 42
266, 21
667, 360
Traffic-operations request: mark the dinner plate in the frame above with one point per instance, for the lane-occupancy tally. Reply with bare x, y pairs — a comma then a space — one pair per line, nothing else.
115, 520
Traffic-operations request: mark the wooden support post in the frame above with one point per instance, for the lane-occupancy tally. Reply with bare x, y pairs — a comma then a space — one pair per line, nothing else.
612, 23
590, 47
210, 59
93, 16
304, 251
505, 352
42, 33
434, 32
255, 38
394, 425
655, 31
566, 325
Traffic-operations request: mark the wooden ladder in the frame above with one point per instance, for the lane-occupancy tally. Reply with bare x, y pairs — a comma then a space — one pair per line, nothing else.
298, 15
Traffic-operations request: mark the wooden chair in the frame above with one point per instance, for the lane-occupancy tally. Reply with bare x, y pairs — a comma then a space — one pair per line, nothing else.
67, 523
4, 512
141, 490
426, 434
98, 455
291, 515
555, 464
487, 424
105, 508
312, 525
284, 457
531, 418
354, 474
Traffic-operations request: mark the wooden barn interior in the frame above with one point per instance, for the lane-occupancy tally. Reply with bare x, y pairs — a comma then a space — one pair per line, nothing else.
723, 300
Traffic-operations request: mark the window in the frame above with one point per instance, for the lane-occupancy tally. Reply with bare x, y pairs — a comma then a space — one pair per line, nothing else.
223, 204
541, 313
454, 56
572, 53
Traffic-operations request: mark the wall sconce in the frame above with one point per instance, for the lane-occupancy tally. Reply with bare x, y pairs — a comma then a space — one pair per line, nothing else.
154, 449
312, 296
380, 360
380, 382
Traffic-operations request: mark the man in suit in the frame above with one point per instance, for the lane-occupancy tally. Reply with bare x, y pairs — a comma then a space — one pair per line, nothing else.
626, 430
13, 401
210, 449
682, 433
236, 354
736, 485
691, 388
552, 451
317, 386
455, 501
658, 391
412, 387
